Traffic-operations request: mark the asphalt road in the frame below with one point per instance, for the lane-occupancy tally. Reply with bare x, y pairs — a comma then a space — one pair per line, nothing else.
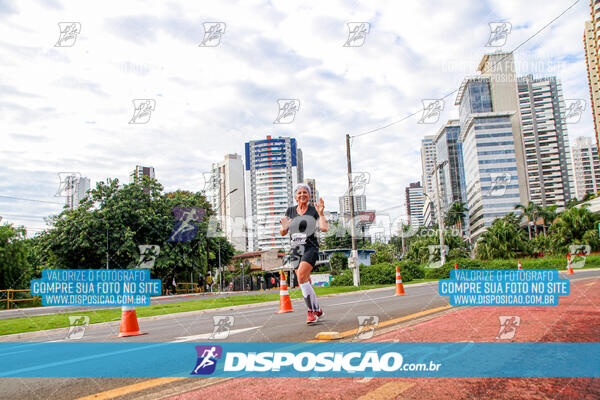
35, 311
253, 323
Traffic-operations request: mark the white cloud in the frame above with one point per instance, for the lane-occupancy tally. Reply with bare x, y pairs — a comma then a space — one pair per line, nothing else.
67, 108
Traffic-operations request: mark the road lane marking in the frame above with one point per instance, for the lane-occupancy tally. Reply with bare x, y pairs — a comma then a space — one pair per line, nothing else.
206, 336
162, 381
123, 390
387, 391
392, 321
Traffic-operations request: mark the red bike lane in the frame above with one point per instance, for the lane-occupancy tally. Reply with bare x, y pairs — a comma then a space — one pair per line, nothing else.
575, 319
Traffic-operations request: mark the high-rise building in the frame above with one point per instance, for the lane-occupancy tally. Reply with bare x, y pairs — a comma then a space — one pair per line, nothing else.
76, 188
586, 167
493, 188
499, 68
272, 171
492, 143
428, 163
360, 204
140, 171
314, 195
414, 204
227, 199
544, 130
591, 40
451, 171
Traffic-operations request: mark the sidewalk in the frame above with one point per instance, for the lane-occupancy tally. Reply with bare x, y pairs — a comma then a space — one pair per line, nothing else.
575, 319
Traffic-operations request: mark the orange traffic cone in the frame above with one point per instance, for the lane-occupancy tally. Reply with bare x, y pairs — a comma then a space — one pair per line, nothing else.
129, 323
285, 304
569, 267
399, 285
519, 265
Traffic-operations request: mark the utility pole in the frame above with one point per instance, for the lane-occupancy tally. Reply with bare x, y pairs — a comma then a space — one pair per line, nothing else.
353, 261
439, 213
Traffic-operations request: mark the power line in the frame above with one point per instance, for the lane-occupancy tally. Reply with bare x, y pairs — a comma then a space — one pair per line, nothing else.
456, 90
34, 200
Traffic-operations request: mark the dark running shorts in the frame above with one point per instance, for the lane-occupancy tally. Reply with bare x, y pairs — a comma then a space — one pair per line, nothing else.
308, 254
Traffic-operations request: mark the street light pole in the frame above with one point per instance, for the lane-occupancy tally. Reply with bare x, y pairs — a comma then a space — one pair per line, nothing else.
439, 212
219, 244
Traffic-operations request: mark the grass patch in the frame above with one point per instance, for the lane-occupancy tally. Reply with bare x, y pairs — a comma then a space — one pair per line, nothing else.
43, 322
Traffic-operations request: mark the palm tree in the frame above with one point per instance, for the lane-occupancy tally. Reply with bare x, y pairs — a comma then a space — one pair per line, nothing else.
503, 239
531, 211
548, 214
455, 216
571, 226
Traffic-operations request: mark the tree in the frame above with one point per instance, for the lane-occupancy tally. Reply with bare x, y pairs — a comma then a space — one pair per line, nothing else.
455, 216
338, 262
383, 253
422, 252
337, 237
116, 219
572, 227
531, 211
548, 214
15, 272
503, 239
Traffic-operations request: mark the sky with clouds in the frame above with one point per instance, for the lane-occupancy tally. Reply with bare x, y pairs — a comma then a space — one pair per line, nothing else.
68, 108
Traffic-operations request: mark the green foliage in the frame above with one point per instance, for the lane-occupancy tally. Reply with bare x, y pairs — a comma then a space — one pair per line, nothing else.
14, 265
337, 237
338, 262
380, 274
132, 215
419, 250
577, 225
503, 239
384, 253
455, 217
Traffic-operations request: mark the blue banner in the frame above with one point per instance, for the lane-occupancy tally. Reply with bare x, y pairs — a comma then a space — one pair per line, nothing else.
223, 359
503, 287
95, 287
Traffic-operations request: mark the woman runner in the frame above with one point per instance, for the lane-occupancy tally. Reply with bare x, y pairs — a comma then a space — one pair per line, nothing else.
301, 222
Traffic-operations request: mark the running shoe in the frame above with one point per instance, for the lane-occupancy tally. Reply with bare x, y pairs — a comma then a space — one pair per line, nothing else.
311, 318
319, 314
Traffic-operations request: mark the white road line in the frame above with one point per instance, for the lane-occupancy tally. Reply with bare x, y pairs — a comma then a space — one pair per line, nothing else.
206, 336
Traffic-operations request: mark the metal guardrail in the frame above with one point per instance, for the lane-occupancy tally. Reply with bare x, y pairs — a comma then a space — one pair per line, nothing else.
11, 299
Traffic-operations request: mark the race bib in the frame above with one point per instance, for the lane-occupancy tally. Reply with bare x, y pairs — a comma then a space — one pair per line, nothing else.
298, 239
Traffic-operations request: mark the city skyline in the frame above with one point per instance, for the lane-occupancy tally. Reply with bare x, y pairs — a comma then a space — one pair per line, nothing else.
78, 119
